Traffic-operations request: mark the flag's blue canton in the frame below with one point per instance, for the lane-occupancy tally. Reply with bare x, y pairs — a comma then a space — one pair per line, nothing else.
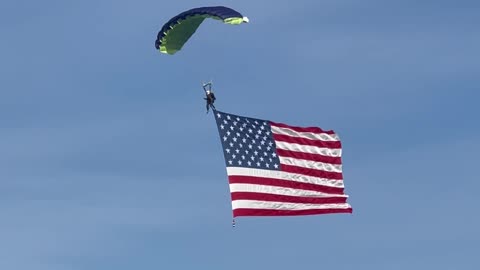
247, 142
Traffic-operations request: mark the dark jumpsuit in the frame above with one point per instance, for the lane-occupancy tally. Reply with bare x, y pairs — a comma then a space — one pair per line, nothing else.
210, 100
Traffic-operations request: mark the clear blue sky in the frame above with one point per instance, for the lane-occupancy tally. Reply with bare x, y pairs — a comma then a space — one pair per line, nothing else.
108, 160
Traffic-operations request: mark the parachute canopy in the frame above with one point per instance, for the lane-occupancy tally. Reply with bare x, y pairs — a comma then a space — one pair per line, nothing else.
176, 32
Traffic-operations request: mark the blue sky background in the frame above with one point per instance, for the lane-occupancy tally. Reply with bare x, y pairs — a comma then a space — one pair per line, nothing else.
108, 160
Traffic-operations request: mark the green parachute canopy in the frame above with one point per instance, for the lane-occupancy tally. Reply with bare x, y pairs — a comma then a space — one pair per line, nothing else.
176, 32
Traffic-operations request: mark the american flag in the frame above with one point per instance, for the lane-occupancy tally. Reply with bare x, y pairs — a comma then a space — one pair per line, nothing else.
276, 169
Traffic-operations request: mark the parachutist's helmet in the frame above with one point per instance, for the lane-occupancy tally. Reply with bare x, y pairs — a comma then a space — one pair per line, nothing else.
208, 92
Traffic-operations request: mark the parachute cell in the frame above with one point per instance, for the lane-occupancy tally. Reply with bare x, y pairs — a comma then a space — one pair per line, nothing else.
176, 32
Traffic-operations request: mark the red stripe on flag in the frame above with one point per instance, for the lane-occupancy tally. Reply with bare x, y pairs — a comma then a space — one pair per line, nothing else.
308, 156
240, 179
302, 129
304, 141
256, 196
271, 212
311, 172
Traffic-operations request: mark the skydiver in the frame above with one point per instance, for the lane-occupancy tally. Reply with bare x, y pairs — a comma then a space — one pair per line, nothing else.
210, 96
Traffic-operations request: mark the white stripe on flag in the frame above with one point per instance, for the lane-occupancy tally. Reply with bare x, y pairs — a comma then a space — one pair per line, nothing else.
308, 149
285, 206
311, 164
282, 191
284, 176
